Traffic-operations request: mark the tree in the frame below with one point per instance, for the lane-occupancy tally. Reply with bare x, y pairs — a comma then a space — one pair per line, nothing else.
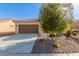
51, 18
67, 9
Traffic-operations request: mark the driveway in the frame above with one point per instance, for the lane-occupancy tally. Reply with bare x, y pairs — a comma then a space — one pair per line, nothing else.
17, 44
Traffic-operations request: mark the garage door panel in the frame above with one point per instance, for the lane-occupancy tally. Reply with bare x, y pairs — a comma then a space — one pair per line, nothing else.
28, 29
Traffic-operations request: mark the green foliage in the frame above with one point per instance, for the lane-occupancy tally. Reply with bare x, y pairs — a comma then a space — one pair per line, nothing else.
56, 45
68, 33
51, 18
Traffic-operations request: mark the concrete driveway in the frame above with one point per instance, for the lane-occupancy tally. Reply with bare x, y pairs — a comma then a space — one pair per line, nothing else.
17, 44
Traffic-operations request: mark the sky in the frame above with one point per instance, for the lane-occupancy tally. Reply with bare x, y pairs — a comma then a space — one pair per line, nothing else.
19, 11
26, 10
76, 11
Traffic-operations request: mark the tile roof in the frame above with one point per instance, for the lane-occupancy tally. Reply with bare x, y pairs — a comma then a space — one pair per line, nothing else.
6, 19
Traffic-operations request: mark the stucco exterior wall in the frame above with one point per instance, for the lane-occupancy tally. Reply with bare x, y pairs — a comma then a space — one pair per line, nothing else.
8, 26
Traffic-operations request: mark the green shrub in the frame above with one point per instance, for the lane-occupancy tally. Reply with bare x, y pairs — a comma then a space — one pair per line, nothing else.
68, 33
51, 35
74, 33
56, 45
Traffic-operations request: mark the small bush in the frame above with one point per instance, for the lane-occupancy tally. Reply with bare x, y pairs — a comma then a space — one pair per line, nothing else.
64, 34
56, 45
68, 33
51, 35
74, 33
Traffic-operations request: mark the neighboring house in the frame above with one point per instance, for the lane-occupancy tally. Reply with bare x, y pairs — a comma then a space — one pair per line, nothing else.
7, 26
75, 25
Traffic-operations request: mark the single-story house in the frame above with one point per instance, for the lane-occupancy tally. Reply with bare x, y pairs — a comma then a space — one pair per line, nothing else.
11, 26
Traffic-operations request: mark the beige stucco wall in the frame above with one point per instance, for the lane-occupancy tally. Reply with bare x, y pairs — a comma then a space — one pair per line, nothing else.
7, 26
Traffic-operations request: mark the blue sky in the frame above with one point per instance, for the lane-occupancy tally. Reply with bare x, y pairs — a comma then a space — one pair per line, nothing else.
19, 11
26, 11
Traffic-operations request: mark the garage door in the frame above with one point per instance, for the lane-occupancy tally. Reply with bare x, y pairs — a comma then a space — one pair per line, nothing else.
28, 29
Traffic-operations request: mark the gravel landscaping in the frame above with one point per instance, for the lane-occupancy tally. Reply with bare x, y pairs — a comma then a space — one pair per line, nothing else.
45, 46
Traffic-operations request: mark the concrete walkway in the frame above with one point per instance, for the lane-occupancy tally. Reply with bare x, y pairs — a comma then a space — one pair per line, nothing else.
17, 44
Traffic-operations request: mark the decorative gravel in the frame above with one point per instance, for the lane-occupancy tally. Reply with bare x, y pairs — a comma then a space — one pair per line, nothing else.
45, 46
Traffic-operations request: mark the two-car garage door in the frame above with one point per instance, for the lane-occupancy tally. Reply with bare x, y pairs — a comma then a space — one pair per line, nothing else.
28, 29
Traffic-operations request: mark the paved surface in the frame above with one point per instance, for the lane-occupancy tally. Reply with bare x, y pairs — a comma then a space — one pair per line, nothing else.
21, 45
17, 44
